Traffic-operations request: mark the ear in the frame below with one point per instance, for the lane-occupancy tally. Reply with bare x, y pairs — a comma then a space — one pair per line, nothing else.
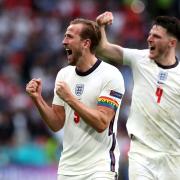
87, 43
173, 42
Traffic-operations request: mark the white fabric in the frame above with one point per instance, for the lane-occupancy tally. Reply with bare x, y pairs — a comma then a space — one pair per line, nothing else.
95, 176
84, 149
148, 164
154, 120
155, 124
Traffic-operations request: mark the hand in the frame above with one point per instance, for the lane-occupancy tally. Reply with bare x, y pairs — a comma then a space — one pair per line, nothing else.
105, 18
34, 88
63, 91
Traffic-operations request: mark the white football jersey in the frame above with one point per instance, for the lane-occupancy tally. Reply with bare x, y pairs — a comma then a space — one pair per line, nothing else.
155, 109
84, 149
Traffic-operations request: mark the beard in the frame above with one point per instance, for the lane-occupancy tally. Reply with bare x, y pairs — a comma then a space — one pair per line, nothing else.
74, 58
160, 54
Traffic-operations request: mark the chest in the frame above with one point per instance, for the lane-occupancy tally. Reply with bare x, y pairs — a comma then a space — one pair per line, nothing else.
160, 85
86, 89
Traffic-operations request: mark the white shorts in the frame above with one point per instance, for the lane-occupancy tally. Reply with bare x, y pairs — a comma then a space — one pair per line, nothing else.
94, 176
148, 164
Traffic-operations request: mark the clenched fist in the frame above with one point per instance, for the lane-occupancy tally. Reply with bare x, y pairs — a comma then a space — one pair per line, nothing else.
34, 88
105, 18
63, 91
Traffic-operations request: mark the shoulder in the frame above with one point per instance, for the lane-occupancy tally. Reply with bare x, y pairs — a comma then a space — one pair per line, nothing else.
111, 71
66, 69
133, 56
109, 67
114, 78
63, 72
137, 52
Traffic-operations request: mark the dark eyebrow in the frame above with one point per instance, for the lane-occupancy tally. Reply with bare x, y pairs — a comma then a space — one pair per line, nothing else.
155, 35
67, 35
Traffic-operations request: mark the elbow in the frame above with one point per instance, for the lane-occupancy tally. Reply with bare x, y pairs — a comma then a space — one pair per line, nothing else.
100, 130
55, 128
102, 127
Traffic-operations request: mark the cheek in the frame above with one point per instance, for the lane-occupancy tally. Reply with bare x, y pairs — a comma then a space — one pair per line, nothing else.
78, 53
162, 47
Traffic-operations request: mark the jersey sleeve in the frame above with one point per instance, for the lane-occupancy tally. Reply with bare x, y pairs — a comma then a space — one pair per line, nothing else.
113, 90
57, 100
132, 56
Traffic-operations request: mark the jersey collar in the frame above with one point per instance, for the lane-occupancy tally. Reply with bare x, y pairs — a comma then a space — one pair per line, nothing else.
168, 67
98, 62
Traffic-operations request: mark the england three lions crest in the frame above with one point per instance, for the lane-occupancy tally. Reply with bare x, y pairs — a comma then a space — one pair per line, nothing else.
79, 89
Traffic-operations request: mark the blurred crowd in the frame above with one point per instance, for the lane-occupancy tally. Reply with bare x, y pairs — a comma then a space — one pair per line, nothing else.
31, 32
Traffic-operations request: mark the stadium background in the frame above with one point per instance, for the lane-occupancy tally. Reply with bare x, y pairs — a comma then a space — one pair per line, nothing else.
31, 32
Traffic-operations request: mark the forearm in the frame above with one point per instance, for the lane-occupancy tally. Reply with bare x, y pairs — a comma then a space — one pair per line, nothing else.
50, 117
98, 118
94, 117
108, 50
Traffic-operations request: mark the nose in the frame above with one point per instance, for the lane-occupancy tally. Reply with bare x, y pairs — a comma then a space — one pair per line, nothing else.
64, 42
149, 39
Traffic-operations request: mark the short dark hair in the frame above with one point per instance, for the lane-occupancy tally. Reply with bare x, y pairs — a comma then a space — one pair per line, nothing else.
90, 31
170, 23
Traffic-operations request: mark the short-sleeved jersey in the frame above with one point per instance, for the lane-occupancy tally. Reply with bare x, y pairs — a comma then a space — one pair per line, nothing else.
155, 109
84, 149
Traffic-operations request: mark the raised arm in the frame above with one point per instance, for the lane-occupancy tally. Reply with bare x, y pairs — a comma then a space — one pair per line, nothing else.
106, 49
54, 116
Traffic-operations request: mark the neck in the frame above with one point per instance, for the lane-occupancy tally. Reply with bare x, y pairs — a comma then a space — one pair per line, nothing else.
167, 59
85, 63
168, 62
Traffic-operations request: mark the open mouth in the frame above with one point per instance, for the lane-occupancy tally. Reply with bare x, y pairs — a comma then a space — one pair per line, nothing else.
68, 51
152, 48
